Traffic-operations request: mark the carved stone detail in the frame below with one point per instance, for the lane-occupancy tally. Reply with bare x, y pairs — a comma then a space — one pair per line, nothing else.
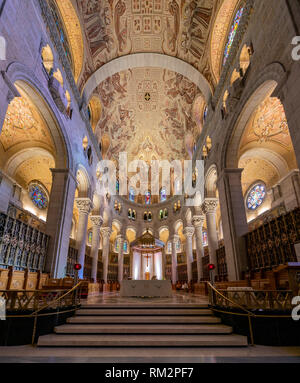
189, 231
97, 220
210, 205
198, 220
84, 205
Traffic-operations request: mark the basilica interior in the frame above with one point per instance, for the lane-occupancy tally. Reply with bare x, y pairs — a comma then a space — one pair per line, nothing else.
187, 81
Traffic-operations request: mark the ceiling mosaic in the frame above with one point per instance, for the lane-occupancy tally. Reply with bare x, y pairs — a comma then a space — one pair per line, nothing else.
35, 168
147, 113
257, 169
178, 28
268, 124
23, 123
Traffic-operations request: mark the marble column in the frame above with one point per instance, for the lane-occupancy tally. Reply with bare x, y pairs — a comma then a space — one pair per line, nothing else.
189, 232
198, 221
142, 271
163, 264
84, 206
209, 208
174, 259
59, 221
120, 240
234, 221
97, 221
105, 233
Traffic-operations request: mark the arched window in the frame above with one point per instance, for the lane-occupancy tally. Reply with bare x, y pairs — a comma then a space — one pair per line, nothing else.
166, 213
178, 245
204, 238
125, 247
163, 194
133, 215
145, 216
169, 247
129, 213
232, 33
61, 30
148, 198
161, 214
117, 187
149, 216
205, 113
178, 187
256, 196
131, 194
90, 237
38, 195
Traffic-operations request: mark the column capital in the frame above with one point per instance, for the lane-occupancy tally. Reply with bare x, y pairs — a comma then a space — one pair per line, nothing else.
97, 220
189, 231
84, 205
198, 220
105, 232
210, 205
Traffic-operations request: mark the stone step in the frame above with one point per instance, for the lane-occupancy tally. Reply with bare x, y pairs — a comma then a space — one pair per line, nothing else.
143, 305
55, 340
142, 319
143, 311
143, 329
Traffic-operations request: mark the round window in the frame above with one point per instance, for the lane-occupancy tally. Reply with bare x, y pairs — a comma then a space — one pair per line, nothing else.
256, 196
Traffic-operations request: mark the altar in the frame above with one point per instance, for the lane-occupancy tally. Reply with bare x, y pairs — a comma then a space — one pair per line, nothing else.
157, 289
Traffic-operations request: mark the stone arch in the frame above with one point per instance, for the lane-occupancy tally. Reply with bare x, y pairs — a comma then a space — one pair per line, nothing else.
21, 76
154, 60
271, 76
211, 182
83, 182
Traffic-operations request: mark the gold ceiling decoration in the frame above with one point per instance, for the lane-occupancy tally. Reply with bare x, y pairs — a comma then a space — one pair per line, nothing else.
114, 28
152, 128
23, 123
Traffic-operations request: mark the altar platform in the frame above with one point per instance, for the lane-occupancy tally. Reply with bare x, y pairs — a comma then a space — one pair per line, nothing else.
156, 289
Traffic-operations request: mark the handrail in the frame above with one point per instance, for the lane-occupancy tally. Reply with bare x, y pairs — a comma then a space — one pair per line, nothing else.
230, 301
249, 314
57, 299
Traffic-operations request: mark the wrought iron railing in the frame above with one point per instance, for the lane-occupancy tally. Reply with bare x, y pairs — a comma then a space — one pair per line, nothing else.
21, 246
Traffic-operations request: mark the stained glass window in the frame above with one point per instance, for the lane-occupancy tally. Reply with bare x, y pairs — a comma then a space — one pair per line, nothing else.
163, 195
117, 186
232, 33
256, 197
169, 247
178, 245
161, 214
204, 238
148, 198
205, 113
38, 196
61, 30
90, 237
125, 247
131, 194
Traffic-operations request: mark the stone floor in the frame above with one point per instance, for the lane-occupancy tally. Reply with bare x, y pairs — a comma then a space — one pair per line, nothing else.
256, 354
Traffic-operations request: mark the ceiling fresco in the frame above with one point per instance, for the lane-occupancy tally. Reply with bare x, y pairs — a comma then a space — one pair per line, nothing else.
147, 112
22, 122
178, 28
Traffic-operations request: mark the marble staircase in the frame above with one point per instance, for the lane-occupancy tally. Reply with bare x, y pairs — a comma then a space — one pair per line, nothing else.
129, 325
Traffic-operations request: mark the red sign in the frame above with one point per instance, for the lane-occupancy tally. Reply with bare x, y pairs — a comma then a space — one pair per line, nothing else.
211, 267
77, 266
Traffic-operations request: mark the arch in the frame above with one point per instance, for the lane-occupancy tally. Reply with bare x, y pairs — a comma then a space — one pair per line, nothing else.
95, 108
211, 182
269, 156
271, 76
19, 157
47, 57
21, 76
84, 184
117, 224
164, 234
74, 33
177, 225
220, 32
154, 60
